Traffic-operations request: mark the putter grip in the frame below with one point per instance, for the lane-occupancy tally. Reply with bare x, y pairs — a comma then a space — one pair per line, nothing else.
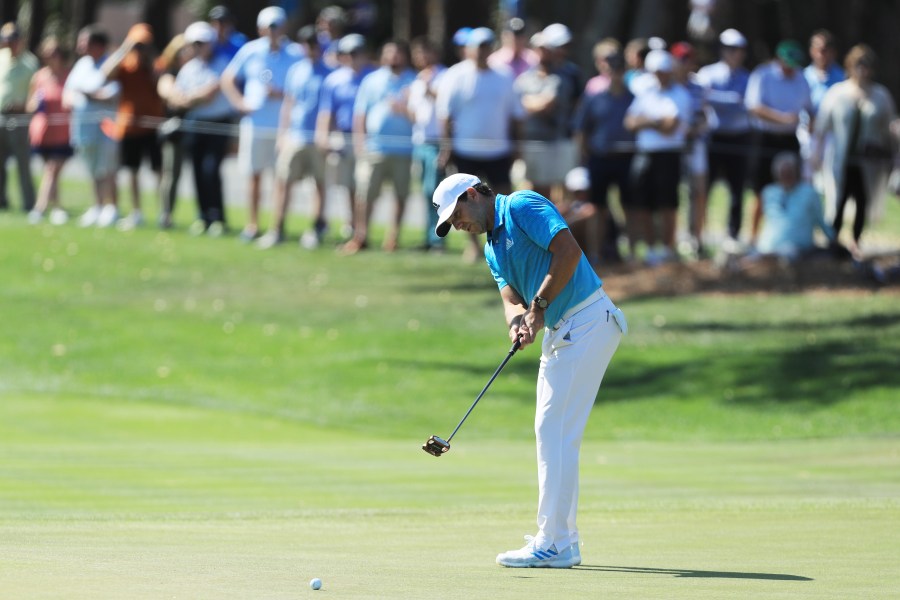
516, 345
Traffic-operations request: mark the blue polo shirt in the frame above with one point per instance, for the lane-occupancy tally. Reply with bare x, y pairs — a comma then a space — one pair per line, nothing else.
388, 132
768, 86
517, 251
725, 90
339, 94
261, 68
304, 84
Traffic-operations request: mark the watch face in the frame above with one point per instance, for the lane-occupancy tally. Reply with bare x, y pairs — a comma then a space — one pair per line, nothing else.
540, 302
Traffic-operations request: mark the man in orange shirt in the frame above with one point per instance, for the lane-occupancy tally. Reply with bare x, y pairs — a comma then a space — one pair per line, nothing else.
140, 110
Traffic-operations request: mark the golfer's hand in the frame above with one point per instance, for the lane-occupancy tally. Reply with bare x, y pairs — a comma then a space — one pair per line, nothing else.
532, 322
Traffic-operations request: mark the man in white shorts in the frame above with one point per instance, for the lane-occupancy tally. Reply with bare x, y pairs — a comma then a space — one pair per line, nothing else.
546, 283
262, 66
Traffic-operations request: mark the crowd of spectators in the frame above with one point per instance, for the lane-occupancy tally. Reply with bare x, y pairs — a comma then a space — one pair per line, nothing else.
651, 123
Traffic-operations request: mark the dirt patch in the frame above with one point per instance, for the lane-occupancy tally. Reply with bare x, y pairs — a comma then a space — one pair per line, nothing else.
757, 276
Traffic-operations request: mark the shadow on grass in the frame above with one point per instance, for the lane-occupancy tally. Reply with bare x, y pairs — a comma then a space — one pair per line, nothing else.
876, 321
694, 573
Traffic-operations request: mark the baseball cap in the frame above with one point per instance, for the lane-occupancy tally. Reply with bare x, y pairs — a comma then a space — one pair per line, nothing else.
515, 25
9, 31
446, 195
732, 38
219, 13
201, 32
659, 61
350, 43
271, 16
480, 36
656, 43
461, 36
556, 35
790, 52
537, 40
578, 179
682, 50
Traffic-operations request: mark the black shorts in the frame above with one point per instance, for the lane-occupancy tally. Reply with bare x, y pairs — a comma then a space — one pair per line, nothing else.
494, 172
765, 147
135, 148
655, 177
610, 169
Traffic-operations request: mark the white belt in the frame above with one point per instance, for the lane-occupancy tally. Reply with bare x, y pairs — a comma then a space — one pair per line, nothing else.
595, 297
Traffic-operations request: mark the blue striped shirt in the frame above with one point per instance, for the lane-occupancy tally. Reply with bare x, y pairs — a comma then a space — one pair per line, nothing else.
725, 91
517, 251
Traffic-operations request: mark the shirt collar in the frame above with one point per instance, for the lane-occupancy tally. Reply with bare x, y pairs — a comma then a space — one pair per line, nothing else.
499, 215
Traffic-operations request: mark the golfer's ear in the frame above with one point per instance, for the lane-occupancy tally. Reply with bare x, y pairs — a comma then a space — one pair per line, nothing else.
470, 193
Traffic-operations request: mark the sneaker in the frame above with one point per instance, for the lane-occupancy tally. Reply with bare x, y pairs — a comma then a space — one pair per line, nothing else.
35, 217
135, 219
198, 227
310, 240
58, 217
248, 234
269, 240
108, 215
532, 556
216, 229
90, 217
576, 554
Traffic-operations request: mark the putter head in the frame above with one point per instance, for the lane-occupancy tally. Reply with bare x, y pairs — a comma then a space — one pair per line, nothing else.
435, 446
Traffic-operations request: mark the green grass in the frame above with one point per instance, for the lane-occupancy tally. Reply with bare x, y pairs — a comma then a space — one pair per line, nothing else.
185, 417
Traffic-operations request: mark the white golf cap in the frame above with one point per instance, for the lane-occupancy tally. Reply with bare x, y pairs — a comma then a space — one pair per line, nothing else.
350, 43
446, 195
201, 32
556, 35
659, 61
732, 38
479, 36
271, 16
656, 43
578, 180
537, 40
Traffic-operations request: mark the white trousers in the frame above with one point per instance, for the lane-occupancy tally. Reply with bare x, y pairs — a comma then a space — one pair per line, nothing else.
575, 354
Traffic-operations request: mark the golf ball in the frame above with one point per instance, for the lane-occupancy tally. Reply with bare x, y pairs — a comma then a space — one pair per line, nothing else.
315, 583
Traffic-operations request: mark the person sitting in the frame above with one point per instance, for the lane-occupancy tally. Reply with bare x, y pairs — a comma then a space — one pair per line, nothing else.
792, 210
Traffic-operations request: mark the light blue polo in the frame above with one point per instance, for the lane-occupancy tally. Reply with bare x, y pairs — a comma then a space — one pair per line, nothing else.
517, 251
388, 131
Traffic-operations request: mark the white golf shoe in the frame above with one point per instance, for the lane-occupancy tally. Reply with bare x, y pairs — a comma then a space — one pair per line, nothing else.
532, 556
576, 553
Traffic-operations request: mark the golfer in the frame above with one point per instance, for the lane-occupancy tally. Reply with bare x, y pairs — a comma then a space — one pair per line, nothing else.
545, 282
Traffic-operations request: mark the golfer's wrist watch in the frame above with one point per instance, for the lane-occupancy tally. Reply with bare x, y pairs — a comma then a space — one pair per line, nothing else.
540, 302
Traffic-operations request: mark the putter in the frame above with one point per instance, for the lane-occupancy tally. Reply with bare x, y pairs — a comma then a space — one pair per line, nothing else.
437, 446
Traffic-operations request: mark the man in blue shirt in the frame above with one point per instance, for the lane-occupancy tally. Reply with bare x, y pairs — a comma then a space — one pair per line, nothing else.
545, 282
382, 132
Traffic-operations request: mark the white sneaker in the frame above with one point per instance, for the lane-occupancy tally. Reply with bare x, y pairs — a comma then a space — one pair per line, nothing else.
576, 553
269, 240
309, 240
35, 217
135, 219
58, 217
532, 556
90, 217
108, 215
216, 229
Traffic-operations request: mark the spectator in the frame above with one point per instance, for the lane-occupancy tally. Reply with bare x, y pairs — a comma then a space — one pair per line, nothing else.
576, 208
792, 210
479, 114
696, 162
660, 117
176, 53
602, 50
777, 97
298, 155
206, 122
547, 99
607, 147
228, 39
557, 38
334, 123
636, 52
139, 114
514, 53
382, 133
48, 131
858, 113
261, 67
823, 72
17, 67
725, 83
330, 26
91, 99
426, 135
460, 38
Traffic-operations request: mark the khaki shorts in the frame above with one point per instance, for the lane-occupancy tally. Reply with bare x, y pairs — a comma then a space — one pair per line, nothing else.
101, 157
256, 149
547, 163
296, 161
377, 168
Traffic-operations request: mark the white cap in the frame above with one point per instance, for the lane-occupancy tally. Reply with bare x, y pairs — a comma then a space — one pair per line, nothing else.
556, 35
537, 40
656, 43
659, 61
201, 31
446, 195
351, 43
271, 16
479, 36
578, 179
733, 39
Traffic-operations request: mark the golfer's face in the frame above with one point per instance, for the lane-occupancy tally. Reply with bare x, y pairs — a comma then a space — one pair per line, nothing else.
467, 218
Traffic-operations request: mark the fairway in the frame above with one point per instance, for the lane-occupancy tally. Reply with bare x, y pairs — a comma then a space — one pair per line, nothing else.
192, 418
